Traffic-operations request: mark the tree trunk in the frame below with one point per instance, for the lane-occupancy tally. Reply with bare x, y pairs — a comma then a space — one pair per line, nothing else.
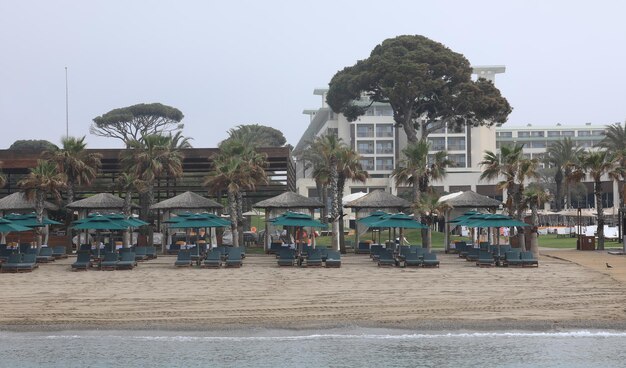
341, 182
334, 208
534, 242
324, 200
600, 211
40, 199
239, 218
70, 192
558, 196
429, 239
232, 211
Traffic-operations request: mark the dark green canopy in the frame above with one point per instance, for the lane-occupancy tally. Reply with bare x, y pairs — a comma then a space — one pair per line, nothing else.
30, 220
7, 226
296, 219
99, 222
399, 220
373, 217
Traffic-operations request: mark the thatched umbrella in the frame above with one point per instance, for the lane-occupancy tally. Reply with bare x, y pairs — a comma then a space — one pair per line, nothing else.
100, 201
377, 200
18, 202
186, 201
286, 201
468, 199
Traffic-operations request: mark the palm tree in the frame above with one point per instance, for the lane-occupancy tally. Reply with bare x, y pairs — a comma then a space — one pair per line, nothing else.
314, 160
429, 207
148, 159
596, 164
79, 166
128, 183
615, 141
515, 169
418, 170
43, 180
534, 197
235, 169
348, 168
563, 156
328, 147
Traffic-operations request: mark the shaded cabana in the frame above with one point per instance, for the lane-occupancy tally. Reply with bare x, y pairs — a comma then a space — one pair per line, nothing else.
377, 200
464, 201
286, 201
17, 202
187, 201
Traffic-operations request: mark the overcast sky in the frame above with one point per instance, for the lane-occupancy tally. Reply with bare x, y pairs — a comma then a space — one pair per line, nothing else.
241, 62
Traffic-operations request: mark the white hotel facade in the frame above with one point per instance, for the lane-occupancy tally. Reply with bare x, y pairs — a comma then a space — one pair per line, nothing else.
379, 143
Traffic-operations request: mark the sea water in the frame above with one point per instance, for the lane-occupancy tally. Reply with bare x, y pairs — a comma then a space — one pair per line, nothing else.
325, 348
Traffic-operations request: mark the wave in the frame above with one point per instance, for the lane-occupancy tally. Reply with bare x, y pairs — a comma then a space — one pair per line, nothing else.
335, 336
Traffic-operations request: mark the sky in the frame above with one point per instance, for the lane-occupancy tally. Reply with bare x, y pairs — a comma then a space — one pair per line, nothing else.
234, 62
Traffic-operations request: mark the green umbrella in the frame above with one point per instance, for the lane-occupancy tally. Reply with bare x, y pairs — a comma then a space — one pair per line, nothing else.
297, 219
98, 222
30, 220
373, 217
7, 226
399, 220
463, 217
493, 220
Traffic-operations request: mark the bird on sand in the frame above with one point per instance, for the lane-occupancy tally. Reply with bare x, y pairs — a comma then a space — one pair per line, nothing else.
608, 266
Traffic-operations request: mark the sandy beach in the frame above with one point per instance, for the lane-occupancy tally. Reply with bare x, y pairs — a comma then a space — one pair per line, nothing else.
570, 289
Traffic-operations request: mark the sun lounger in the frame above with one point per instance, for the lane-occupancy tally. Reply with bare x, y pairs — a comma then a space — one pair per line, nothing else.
362, 248
127, 261
183, 259
375, 250
109, 262
151, 252
459, 247
386, 259
472, 255
314, 258
323, 252
59, 252
513, 258
286, 257
85, 247
18, 262
45, 255
174, 248
83, 261
274, 248
528, 259
213, 259
333, 259
403, 250
485, 259
430, 260
234, 259
412, 260
141, 254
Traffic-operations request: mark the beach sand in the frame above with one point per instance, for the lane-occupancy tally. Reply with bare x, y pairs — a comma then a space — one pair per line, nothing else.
570, 289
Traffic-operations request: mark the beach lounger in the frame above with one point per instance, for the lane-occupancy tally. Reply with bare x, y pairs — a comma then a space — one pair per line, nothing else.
375, 250
528, 259
485, 259
362, 248
472, 255
403, 250
59, 252
274, 248
20, 263
314, 258
183, 259
430, 260
109, 262
141, 254
234, 259
412, 260
127, 261
386, 259
174, 248
213, 259
83, 261
85, 247
323, 252
12, 262
513, 258
151, 252
333, 259
286, 257
45, 255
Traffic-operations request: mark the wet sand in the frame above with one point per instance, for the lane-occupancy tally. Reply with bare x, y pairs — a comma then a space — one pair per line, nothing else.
570, 289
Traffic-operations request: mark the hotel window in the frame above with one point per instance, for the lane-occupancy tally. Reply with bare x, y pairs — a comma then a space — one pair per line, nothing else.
384, 130
504, 134
523, 134
384, 147
554, 133
383, 111
440, 130
567, 133
333, 131
537, 134
597, 133
365, 147
437, 143
367, 163
459, 160
365, 130
498, 144
584, 133
384, 163
538, 144
456, 143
